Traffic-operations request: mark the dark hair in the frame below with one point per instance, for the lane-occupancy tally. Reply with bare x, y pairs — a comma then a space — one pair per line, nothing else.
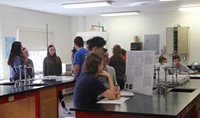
161, 59
105, 50
79, 41
55, 58
15, 51
123, 52
92, 63
96, 42
48, 54
176, 57
73, 50
117, 51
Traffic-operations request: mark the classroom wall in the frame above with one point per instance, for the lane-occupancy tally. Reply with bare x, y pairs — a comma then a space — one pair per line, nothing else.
11, 18
123, 29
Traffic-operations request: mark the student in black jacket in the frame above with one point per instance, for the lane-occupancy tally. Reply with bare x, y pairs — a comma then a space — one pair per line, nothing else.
52, 65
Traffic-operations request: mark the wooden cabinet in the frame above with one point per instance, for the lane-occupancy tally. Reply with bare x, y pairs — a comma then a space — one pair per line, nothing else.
177, 40
23, 108
198, 106
48, 103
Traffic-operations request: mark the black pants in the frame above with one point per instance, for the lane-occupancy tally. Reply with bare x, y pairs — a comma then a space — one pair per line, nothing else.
60, 97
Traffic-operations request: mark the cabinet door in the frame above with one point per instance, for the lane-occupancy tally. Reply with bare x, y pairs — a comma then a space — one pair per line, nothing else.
183, 40
169, 40
48, 103
48, 108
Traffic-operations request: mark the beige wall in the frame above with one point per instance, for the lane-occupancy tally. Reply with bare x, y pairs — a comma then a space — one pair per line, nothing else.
123, 29
11, 18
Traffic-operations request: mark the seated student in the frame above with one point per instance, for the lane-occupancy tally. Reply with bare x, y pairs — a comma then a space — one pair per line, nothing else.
162, 65
182, 69
107, 68
88, 87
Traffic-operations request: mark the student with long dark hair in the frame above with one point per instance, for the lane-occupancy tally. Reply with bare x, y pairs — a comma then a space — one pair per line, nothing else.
15, 61
119, 64
52, 65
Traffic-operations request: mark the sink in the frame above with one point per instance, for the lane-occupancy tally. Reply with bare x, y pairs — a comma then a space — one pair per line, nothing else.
188, 90
7, 83
37, 84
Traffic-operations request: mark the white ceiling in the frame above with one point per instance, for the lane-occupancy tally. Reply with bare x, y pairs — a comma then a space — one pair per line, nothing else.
55, 6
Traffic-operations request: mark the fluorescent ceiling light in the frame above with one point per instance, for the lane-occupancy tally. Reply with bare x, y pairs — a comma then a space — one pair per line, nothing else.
128, 13
191, 8
169, 0
87, 4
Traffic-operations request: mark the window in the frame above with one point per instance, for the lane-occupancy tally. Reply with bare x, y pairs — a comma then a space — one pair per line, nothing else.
37, 57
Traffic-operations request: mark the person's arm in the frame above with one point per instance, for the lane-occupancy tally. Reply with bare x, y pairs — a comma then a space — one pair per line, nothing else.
16, 63
110, 93
76, 64
45, 67
76, 70
32, 69
60, 66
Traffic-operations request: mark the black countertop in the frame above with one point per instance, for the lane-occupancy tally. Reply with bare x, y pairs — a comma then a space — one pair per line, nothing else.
169, 104
35, 84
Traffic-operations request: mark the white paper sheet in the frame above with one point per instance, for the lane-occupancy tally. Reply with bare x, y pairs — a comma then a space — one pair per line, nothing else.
58, 78
196, 75
126, 93
117, 101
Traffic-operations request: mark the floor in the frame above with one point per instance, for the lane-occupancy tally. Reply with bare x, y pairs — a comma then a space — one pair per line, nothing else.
69, 103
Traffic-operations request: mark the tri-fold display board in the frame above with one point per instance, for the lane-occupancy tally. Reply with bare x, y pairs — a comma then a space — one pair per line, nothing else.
140, 71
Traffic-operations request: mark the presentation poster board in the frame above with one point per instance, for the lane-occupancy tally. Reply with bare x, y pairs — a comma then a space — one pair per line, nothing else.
140, 71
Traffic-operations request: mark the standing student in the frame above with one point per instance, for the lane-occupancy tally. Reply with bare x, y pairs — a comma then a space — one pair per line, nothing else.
15, 61
124, 54
73, 54
52, 65
79, 56
30, 73
88, 87
118, 63
96, 44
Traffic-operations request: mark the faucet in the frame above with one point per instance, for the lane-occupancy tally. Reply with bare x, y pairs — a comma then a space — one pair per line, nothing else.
29, 78
25, 78
162, 85
20, 75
